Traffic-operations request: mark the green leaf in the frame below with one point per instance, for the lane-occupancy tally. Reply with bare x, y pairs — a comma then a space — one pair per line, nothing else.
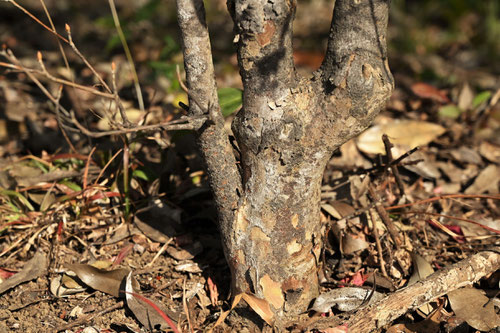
19, 196
450, 111
75, 187
230, 100
144, 174
480, 98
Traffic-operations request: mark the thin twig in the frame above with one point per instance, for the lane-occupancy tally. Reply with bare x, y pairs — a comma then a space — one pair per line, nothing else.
447, 196
394, 168
118, 101
452, 218
184, 123
85, 61
379, 246
393, 231
106, 166
65, 59
158, 254
185, 307
86, 170
59, 80
62, 127
36, 19
128, 54
87, 318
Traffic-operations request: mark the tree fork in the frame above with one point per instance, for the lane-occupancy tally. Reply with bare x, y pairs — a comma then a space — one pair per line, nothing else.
287, 130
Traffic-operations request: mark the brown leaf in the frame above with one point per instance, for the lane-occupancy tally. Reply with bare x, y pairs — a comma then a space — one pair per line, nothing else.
108, 282
261, 307
350, 244
149, 317
187, 252
404, 135
469, 304
486, 181
224, 314
490, 151
31, 270
424, 90
421, 270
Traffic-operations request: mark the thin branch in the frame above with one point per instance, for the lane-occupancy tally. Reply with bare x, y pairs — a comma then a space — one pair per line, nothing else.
184, 123
453, 218
36, 19
393, 231
388, 309
378, 244
128, 54
85, 61
213, 141
12, 58
447, 196
118, 101
394, 168
86, 318
58, 80
62, 127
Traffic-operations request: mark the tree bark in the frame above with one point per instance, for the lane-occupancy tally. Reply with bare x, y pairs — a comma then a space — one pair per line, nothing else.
287, 130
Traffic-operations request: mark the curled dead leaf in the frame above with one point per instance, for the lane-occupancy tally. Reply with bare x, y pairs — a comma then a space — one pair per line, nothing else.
109, 282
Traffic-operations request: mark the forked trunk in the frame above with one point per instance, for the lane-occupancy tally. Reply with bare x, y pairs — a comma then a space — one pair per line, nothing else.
287, 130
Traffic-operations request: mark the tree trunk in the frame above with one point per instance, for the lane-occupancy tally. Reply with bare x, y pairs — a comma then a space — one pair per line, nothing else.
287, 130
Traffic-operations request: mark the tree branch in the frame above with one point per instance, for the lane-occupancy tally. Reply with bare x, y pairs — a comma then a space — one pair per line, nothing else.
459, 275
358, 29
213, 140
265, 53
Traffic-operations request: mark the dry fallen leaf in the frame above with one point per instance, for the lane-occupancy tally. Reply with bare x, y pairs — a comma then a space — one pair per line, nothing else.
469, 305
421, 270
59, 288
261, 307
31, 270
424, 90
108, 282
404, 135
486, 181
350, 244
490, 151
186, 252
149, 317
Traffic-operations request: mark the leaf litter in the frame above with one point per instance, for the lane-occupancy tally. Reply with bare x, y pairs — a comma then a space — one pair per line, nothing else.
73, 210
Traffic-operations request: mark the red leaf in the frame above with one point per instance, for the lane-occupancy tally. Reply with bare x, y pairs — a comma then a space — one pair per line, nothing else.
214, 294
358, 279
123, 253
157, 309
5, 274
424, 90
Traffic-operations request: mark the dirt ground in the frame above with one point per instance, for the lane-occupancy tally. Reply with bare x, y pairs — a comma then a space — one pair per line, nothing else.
92, 209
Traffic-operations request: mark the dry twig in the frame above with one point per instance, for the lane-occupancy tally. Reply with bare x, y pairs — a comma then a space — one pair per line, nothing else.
385, 311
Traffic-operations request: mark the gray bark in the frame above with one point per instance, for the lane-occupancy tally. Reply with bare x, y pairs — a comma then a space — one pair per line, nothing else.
287, 130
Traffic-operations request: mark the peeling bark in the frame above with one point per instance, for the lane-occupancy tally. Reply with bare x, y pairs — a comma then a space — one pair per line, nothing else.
287, 130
